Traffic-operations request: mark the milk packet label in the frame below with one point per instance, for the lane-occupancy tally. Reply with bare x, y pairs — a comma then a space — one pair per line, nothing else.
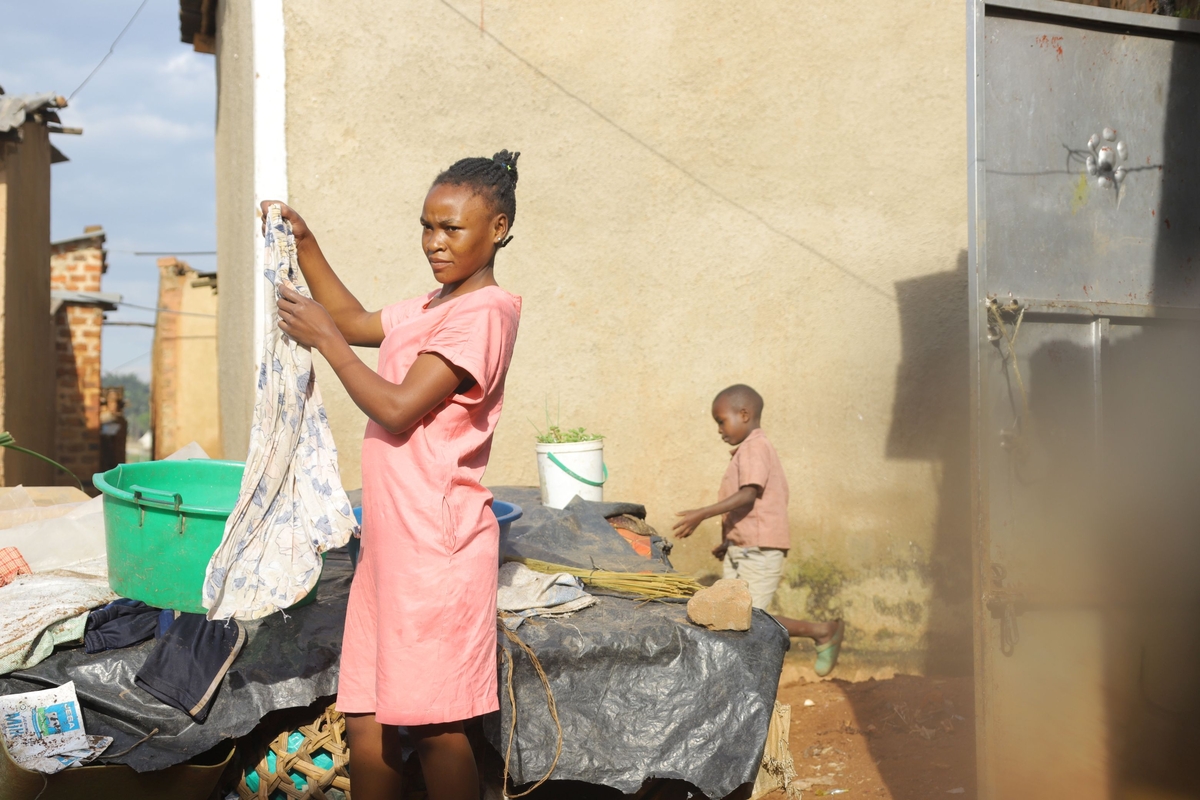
37, 726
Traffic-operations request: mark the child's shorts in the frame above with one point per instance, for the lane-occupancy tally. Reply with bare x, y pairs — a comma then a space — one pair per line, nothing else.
760, 567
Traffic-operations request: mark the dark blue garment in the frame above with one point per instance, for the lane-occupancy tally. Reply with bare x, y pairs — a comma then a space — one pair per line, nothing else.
121, 623
187, 665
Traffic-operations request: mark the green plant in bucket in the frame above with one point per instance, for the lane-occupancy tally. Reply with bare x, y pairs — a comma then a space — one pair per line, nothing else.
555, 434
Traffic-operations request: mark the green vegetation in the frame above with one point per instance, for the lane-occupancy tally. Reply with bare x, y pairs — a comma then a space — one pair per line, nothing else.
137, 401
554, 433
557, 435
6, 440
824, 581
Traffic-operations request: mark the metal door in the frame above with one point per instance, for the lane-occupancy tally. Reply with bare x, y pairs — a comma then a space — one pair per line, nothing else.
1085, 247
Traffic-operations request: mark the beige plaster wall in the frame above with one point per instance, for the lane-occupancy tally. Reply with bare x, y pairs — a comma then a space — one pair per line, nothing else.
236, 256
198, 414
27, 349
759, 192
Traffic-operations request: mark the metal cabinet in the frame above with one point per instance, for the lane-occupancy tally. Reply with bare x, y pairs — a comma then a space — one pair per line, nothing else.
1085, 449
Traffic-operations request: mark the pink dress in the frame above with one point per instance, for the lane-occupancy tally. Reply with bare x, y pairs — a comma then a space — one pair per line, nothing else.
420, 640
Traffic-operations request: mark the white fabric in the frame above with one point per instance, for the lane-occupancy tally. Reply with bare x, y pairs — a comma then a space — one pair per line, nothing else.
292, 506
56, 539
522, 592
48, 608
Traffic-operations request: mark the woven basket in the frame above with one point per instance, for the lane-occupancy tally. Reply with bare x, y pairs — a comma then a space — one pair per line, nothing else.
328, 733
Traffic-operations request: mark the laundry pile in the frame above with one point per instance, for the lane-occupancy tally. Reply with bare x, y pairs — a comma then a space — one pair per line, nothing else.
189, 660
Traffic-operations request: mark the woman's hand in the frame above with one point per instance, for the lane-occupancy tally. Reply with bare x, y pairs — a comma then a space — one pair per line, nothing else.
305, 320
300, 229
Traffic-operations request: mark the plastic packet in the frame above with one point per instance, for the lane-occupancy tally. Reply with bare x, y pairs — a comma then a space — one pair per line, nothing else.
43, 731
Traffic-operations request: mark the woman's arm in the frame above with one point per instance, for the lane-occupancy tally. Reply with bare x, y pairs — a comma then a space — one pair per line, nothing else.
395, 407
357, 325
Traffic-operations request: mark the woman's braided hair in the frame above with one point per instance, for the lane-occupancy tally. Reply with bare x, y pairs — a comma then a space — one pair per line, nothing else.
495, 178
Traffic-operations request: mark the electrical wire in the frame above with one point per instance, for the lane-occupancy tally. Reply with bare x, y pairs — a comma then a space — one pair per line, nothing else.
111, 47
659, 154
171, 253
166, 310
129, 362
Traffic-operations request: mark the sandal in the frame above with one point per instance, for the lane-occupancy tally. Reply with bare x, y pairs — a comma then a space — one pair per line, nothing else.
827, 654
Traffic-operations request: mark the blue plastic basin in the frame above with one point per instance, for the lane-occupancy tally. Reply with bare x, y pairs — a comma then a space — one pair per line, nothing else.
506, 515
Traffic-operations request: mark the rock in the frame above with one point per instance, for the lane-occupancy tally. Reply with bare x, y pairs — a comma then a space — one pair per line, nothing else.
724, 606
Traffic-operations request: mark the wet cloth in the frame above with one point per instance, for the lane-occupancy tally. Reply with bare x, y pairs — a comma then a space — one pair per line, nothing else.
48, 608
292, 507
186, 666
420, 638
121, 623
523, 593
765, 522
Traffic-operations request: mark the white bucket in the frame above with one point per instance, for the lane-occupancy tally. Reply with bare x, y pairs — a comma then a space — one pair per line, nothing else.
585, 459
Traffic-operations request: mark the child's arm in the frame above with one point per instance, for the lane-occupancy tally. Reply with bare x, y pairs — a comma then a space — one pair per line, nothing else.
396, 407
357, 325
691, 519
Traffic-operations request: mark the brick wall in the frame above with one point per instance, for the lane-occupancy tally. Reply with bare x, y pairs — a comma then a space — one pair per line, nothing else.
77, 265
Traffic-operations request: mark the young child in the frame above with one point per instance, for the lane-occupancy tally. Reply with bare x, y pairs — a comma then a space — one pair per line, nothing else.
753, 504
419, 649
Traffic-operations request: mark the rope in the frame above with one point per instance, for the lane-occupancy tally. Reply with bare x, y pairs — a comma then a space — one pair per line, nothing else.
142, 740
512, 702
1011, 356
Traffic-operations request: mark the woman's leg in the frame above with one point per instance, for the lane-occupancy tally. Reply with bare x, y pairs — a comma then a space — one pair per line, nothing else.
447, 762
376, 760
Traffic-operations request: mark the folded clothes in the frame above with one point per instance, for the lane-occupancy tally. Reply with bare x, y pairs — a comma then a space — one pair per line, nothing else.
187, 665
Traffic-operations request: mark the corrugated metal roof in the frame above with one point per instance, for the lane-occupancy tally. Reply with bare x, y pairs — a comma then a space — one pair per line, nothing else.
15, 108
60, 297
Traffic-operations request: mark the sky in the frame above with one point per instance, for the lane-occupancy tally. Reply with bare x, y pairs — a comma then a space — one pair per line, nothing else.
143, 167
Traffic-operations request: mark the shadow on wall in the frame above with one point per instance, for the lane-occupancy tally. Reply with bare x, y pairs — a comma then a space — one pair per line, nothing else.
930, 423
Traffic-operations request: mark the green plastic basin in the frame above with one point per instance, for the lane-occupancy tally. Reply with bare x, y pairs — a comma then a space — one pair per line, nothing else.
163, 520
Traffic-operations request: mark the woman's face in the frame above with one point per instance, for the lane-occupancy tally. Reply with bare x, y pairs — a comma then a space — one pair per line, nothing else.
461, 231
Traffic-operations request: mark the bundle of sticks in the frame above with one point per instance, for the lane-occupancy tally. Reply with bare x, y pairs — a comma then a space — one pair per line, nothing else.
651, 585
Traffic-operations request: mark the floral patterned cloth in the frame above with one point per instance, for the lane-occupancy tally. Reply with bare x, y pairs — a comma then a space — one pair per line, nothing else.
292, 507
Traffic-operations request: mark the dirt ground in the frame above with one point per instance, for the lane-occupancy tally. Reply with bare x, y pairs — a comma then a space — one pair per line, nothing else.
904, 738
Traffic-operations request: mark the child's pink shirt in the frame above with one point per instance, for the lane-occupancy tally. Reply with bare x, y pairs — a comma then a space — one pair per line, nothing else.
765, 522
420, 641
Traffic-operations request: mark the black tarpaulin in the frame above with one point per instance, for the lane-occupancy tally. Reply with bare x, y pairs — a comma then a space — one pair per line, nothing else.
578, 535
641, 693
